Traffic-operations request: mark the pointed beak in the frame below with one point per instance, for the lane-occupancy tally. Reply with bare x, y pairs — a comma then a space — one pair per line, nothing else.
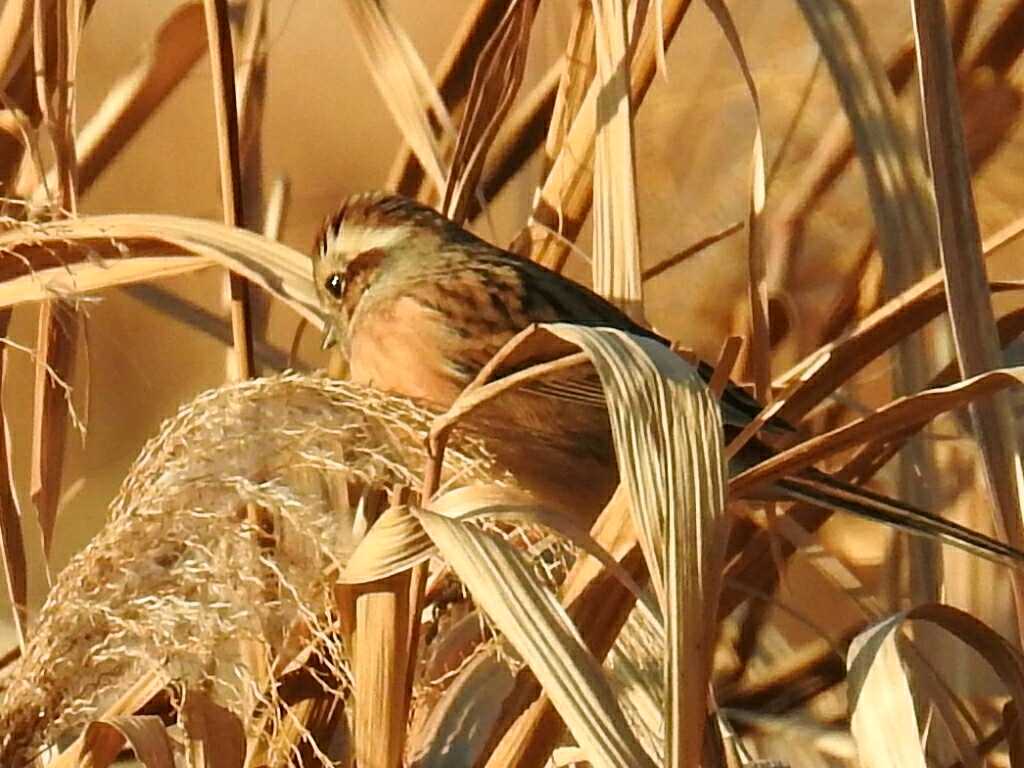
330, 337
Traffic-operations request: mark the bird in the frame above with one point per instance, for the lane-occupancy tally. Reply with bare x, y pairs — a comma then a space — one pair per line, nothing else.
420, 305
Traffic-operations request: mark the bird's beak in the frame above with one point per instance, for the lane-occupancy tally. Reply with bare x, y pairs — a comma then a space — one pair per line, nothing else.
330, 337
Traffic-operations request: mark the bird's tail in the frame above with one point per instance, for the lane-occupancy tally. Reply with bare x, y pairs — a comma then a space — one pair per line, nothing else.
827, 492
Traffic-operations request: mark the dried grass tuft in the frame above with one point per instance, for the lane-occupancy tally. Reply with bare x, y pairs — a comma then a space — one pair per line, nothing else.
180, 581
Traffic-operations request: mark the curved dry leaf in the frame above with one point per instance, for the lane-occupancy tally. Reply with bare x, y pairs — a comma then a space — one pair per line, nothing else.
970, 305
458, 726
882, 715
216, 738
895, 418
564, 198
395, 543
403, 82
145, 734
276, 268
512, 505
882, 708
89, 276
496, 80
616, 257
533, 621
668, 437
896, 179
757, 288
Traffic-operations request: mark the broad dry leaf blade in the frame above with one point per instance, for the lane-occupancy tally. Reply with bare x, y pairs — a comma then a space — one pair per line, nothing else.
532, 620
55, 355
496, 81
216, 738
403, 82
12, 542
274, 267
394, 544
565, 196
970, 305
616, 260
145, 734
882, 715
1005, 660
76, 280
669, 445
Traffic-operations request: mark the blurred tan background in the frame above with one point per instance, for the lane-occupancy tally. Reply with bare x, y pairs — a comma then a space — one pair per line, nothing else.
327, 131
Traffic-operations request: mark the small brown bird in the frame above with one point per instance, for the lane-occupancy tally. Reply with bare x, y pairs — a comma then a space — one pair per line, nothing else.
422, 305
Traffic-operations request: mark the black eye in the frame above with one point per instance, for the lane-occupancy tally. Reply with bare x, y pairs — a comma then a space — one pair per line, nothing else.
335, 284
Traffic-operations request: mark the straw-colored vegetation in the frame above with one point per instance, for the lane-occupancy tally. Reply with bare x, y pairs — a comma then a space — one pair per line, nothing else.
822, 198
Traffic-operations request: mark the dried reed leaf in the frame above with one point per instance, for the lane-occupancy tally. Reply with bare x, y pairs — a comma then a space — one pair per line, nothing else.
578, 66
757, 280
826, 369
402, 81
394, 544
496, 81
89, 276
272, 266
453, 75
222, 60
12, 542
597, 600
215, 735
54, 49
970, 305
902, 208
132, 700
503, 504
55, 350
895, 175
565, 196
882, 715
145, 734
616, 259
518, 138
825, 167
457, 728
895, 418
872, 720
504, 586
668, 437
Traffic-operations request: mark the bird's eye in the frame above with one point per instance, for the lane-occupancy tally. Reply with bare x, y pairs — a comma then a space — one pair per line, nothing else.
335, 284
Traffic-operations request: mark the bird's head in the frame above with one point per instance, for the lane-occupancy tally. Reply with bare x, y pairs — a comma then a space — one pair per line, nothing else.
371, 237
